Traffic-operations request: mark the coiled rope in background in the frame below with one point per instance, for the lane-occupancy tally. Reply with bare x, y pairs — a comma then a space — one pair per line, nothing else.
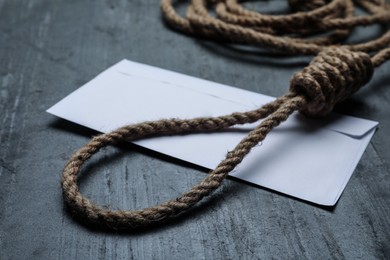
334, 74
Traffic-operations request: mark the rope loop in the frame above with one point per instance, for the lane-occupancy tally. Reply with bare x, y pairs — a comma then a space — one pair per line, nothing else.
274, 113
332, 76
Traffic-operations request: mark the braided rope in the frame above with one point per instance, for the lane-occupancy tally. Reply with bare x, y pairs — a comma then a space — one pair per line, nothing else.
332, 76
236, 24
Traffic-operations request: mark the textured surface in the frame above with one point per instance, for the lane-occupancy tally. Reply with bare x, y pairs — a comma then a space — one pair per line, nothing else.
49, 48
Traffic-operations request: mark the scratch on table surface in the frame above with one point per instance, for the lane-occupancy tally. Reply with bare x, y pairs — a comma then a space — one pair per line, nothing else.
7, 167
329, 239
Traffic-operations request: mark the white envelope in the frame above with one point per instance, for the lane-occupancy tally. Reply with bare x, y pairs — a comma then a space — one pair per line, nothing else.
305, 158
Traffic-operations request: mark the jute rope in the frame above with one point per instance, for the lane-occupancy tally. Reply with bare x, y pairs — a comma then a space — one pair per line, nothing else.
332, 76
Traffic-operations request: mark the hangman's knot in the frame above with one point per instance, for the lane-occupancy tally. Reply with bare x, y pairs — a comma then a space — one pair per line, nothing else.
332, 76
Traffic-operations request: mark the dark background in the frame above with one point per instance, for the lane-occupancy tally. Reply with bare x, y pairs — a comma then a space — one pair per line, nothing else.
49, 48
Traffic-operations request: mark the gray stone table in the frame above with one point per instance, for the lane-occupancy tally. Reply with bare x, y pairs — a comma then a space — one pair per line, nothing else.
48, 48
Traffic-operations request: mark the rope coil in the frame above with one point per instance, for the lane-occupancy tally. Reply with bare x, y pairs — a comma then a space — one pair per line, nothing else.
332, 76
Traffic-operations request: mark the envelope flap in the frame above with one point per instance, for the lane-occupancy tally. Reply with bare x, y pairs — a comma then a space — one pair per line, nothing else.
347, 125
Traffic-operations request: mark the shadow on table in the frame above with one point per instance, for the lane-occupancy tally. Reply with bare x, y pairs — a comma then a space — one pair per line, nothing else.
254, 55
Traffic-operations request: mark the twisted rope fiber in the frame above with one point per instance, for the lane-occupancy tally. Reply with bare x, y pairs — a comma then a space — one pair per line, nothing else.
332, 76
236, 24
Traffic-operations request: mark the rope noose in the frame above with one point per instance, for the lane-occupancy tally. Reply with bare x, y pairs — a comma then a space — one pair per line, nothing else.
331, 77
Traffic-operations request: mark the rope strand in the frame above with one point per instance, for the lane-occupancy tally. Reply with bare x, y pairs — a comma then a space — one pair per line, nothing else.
332, 76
